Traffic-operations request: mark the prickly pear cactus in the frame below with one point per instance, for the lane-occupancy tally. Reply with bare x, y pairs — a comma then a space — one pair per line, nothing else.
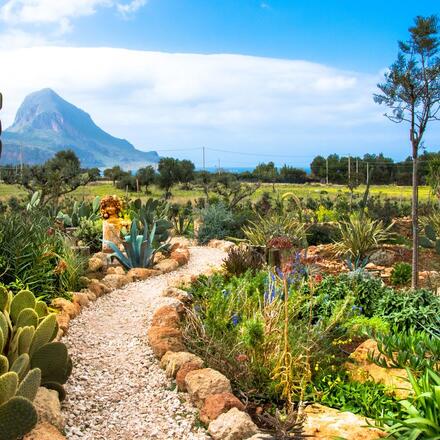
430, 239
17, 417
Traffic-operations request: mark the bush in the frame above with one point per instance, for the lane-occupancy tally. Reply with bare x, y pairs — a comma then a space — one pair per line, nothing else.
243, 258
216, 223
322, 233
401, 274
89, 233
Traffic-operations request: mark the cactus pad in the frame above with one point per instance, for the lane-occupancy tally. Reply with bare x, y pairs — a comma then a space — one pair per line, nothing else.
29, 385
4, 296
21, 365
4, 328
53, 361
24, 299
41, 309
8, 386
27, 317
44, 333
4, 364
56, 387
25, 339
17, 417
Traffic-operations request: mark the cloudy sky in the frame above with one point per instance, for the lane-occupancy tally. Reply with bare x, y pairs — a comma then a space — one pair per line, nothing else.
250, 80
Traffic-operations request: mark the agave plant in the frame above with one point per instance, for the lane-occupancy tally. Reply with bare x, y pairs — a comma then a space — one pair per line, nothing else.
360, 235
139, 248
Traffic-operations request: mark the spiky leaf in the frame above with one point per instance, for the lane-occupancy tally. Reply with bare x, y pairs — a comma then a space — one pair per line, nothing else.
17, 417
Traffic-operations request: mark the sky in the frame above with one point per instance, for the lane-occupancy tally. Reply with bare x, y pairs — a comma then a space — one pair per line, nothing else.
250, 80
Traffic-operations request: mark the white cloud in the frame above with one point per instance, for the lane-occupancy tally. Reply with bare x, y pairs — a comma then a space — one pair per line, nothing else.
59, 12
157, 99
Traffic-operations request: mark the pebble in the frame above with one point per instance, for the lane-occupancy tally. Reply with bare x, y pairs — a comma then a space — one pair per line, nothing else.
117, 390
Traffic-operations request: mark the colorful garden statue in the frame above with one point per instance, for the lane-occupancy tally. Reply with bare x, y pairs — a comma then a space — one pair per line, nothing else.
112, 224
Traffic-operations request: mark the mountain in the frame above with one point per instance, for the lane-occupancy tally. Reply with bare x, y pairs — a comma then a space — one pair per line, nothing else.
46, 123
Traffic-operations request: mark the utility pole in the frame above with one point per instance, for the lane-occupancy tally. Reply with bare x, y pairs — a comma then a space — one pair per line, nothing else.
204, 164
349, 169
218, 168
368, 172
326, 170
357, 171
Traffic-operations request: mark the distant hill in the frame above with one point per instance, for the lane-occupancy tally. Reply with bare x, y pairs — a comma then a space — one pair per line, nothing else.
46, 123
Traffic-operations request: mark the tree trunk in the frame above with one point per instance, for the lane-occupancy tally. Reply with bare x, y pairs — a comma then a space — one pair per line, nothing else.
415, 222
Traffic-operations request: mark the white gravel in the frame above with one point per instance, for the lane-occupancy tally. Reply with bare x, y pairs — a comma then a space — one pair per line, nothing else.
117, 390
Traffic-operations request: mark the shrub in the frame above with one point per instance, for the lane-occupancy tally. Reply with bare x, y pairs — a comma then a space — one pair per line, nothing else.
89, 233
401, 274
322, 233
359, 235
241, 259
216, 223
324, 214
410, 308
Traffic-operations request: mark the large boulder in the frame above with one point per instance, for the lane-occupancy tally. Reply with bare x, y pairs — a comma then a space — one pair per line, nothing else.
48, 407
171, 362
217, 404
362, 369
202, 383
44, 431
167, 316
167, 265
328, 423
163, 339
233, 425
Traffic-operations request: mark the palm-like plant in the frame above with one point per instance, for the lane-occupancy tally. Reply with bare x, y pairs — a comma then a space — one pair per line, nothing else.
139, 248
422, 413
360, 235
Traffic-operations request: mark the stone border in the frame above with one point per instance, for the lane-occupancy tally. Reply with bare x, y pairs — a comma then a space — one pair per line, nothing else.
50, 420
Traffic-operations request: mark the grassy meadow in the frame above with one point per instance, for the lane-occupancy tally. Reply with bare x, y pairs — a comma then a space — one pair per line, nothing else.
182, 195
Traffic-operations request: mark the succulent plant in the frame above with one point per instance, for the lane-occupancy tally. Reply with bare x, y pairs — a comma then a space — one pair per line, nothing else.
430, 240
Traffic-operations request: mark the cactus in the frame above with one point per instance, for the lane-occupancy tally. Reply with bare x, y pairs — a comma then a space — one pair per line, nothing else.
29, 385
8, 386
4, 298
54, 362
23, 300
17, 417
27, 317
44, 333
430, 240
21, 366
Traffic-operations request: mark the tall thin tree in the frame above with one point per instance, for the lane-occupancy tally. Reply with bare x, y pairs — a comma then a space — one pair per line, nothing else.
412, 91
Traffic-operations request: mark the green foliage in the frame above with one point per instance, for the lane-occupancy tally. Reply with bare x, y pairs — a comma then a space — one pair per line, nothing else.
89, 233
17, 417
80, 211
430, 240
420, 413
139, 248
411, 308
324, 214
401, 274
264, 229
414, 350
241, 259
368, 399
217, 222
359, 236
362, 326
322, 233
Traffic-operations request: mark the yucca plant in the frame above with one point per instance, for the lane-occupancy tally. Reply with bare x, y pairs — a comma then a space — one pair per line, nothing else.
420, 417
139, 248
360, 235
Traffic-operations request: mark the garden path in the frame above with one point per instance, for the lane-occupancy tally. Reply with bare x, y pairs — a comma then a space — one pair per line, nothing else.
117, 390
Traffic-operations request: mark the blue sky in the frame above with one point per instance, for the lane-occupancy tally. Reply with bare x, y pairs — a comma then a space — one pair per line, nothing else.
264, 78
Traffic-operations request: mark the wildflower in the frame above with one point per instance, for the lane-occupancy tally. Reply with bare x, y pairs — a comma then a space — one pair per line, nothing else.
235, 319
241, 358
226, 293
60, 267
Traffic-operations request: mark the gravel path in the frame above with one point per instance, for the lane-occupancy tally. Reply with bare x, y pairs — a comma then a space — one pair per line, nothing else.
117, 390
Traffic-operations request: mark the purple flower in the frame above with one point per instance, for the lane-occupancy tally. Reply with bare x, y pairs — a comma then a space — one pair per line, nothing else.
235, 319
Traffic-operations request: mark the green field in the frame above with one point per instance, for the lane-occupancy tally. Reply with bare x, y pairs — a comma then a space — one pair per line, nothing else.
180, 195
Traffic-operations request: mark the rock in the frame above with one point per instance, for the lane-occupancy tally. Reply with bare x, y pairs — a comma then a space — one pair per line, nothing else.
98, 288
95, 265
183, 371
140, 274
202, 383
81, 298
363, 370
163, 339
217, 404
221, 244
179, 242
261, 436
181, 255
104, 257
382, 257
115, 281
63, 320
181, 295
44, 431
48, 407
166, 316
84, 282
167, 265
72, 309
118, 270
233, 425
90, 295
183, 280
171, 362
328, 423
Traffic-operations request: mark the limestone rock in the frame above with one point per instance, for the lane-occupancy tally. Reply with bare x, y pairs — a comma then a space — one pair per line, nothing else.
183, 371
382, 257
179, 242
328, 423
167, 265
48, 407
233, 425
181, 255
98, 288
224, 245
181, 295
172, 361
44, 431
72, 309
95, 265
115, 281
362, 370
163, 339
118, 270
217, 404
81, 298
166, 316
90, 295
63, 320
140, 274
84, 282
202, 383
